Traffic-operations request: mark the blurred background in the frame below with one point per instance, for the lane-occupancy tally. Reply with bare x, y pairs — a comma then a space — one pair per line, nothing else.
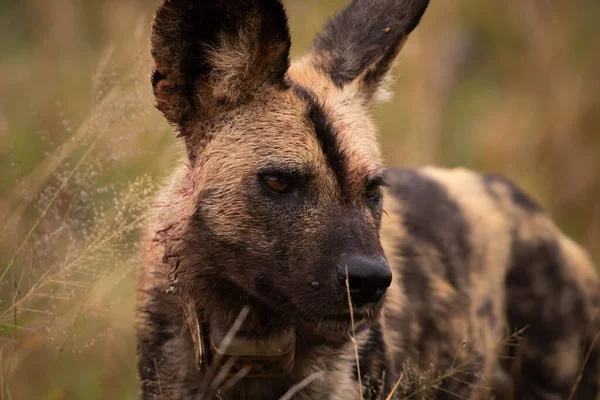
505, 86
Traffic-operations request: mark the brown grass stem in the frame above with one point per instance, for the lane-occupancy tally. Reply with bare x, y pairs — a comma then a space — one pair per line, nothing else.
353, 337
395, 388
301, 385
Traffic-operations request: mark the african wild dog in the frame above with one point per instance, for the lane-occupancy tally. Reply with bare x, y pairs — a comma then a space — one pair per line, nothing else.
279, 212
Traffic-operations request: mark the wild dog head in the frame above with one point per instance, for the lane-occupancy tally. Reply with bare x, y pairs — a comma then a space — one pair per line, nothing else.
281, 200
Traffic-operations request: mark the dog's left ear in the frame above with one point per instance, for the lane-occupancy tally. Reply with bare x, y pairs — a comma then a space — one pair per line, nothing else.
360, 44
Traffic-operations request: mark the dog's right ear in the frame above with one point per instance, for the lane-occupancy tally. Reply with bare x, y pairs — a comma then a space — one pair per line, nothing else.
216, 54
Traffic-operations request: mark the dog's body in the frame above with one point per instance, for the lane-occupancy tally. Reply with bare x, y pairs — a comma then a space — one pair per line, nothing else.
477, 260
284, 215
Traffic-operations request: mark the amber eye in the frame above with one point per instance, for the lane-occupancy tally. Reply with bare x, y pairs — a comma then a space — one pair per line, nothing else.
276, 184
372, 190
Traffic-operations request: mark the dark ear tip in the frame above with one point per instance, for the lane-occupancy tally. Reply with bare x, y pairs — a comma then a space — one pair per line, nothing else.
418, 8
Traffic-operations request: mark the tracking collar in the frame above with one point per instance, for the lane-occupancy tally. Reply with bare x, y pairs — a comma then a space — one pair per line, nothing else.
271, 357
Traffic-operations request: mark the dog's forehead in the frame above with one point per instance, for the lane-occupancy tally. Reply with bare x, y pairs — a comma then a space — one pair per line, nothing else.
343, 129
277, 127
285, 130
344, 107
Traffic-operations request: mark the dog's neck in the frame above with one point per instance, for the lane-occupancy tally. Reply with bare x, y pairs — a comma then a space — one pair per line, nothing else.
246, 338
265, 359
239, 351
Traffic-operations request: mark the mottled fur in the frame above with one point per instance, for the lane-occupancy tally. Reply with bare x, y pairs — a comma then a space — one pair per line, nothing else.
488, 297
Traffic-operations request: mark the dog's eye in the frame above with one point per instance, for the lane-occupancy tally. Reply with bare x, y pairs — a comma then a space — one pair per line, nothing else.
373, 190
277, 183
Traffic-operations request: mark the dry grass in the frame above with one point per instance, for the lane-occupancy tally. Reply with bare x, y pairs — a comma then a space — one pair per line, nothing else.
353, 337
505, 86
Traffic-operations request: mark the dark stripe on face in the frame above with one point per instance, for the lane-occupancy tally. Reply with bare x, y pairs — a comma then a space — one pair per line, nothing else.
326, 137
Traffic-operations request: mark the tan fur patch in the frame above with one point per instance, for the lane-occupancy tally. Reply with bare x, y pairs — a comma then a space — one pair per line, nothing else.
490, 239
392, 233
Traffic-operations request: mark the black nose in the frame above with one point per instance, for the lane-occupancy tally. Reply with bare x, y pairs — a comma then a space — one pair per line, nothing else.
368, 278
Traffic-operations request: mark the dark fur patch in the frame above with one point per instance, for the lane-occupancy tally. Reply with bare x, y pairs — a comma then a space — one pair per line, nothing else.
519, 197
553, 307
431, 215
549, 312
371, 362
486, 311
266, 285
589, 386
159, 321
366, 33
331, 149
326, 136
435, 345
436, 248
157, 76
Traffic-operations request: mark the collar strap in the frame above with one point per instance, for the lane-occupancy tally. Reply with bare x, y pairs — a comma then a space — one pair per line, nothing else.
259, 367
272, 357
